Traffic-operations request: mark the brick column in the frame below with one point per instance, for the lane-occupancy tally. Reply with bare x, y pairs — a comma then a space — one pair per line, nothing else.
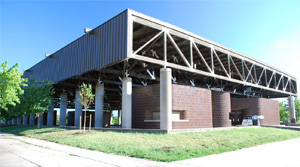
221, 107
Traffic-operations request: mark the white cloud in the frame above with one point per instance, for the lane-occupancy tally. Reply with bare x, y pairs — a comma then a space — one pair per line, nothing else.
284, 54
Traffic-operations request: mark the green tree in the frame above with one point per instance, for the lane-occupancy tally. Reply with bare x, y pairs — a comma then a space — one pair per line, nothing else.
297, 108
10, 86
86, 98
37, 98
12, 111
284, 111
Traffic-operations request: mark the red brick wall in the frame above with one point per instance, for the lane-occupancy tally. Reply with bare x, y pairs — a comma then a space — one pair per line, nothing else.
145, 100
258, 106
195, 102
221, 108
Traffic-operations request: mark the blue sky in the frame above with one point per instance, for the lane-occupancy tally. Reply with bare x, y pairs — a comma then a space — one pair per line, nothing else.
266, 30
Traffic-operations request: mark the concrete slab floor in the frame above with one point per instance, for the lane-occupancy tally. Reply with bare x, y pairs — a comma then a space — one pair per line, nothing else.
24, 151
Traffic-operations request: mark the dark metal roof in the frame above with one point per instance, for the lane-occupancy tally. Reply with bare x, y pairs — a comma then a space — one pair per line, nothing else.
138, 45
107, 44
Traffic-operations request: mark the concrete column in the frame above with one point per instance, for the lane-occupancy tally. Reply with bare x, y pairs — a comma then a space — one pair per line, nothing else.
99, 103
127, 103
41, 119
78, 108
31, 120
25, 120
63, 109
119, 116
18, 121
110, 120
50, 116
292, 109
13, 122
165, 99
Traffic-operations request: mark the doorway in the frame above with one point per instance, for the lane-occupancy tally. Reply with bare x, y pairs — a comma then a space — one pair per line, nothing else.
236, 117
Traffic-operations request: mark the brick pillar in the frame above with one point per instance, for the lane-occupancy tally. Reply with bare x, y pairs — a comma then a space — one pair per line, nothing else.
221, 107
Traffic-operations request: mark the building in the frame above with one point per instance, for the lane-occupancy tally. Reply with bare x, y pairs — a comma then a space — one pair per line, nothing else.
162, 77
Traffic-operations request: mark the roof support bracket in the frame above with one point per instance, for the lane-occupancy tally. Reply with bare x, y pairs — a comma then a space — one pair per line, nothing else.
152, 75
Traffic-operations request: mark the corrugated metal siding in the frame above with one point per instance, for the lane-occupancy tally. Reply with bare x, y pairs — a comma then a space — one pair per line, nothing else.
106, 45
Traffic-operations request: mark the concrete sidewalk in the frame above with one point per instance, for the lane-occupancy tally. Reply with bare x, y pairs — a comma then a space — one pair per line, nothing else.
24, 151
277, 154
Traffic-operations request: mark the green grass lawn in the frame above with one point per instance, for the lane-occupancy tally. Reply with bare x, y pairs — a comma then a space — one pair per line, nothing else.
159, 147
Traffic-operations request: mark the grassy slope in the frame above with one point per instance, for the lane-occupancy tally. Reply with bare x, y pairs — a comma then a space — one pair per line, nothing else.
159, 147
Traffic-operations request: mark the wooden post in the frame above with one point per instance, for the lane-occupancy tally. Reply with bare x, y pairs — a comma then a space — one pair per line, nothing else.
84, 121
79, 123
38, 122
90, 122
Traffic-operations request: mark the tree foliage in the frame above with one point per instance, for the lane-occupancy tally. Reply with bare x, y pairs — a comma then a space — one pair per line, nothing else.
37, 98
284, 110
297, 108
10, 86
86, 95
86, 98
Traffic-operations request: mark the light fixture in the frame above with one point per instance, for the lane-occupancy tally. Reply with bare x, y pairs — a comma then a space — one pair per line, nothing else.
88, 31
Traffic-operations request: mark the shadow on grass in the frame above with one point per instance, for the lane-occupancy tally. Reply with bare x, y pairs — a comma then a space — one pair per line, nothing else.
24, 130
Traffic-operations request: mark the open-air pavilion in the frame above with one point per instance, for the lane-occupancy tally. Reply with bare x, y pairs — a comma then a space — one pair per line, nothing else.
159, 76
